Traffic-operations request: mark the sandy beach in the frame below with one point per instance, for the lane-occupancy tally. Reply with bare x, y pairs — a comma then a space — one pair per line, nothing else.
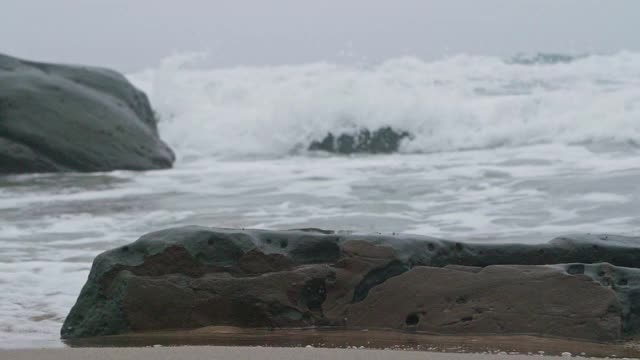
238, 353
220, 337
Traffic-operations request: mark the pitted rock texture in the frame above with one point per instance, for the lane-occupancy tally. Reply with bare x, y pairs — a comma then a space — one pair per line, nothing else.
74, 118
579, 286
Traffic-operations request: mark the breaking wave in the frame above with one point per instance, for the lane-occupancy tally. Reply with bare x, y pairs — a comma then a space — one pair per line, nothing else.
457, 103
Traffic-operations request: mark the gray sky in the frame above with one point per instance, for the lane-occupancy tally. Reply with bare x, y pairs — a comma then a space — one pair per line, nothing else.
133, 34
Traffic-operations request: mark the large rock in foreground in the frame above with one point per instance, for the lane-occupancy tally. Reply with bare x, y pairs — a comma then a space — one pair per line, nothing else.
584, 286
73, 118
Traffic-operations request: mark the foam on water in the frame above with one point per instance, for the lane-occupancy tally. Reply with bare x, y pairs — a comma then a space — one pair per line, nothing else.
461, 102
59, 222
548, 150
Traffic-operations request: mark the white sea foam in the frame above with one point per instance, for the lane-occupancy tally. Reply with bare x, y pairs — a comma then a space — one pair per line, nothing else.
50, 234
456, 103
518, 181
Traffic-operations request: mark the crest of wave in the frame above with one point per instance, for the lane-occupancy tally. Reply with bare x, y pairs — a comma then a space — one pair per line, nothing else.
456, 103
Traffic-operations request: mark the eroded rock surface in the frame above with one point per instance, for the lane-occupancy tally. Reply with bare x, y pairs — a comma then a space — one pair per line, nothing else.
579, 286
74, 118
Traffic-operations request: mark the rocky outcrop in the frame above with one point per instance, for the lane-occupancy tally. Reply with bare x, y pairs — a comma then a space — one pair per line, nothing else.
381, 141
580, 286
74, 118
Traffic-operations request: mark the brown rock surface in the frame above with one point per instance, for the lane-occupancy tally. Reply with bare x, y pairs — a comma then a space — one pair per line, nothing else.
499, 299
193, 277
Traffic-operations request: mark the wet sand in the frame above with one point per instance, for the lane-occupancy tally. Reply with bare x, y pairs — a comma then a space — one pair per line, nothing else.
239, 353
378, 339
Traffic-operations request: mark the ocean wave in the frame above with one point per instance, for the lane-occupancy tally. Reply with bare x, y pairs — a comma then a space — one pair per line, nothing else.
543, 58
457, 103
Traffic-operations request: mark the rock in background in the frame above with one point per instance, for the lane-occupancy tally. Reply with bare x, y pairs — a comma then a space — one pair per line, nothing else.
384, 140
74, 118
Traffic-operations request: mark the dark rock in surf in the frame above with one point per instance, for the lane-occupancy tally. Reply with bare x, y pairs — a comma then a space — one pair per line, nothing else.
74, 118
544, 59
580, 286
381, 141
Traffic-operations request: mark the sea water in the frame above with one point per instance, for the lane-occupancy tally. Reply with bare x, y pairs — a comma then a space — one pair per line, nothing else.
502, 150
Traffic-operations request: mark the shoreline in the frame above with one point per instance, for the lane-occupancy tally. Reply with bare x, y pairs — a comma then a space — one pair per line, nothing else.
243, 352
220, 336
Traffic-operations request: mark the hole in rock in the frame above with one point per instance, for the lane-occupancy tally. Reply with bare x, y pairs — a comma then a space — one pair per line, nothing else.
412, 319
